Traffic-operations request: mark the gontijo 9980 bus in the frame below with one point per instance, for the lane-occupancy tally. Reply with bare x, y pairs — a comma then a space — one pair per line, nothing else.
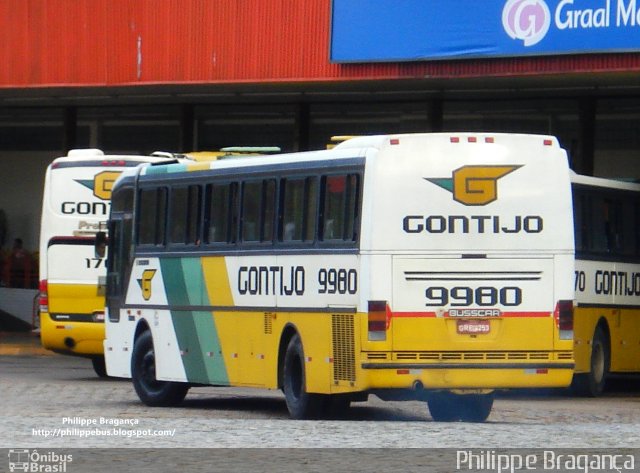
77, 193
428, 266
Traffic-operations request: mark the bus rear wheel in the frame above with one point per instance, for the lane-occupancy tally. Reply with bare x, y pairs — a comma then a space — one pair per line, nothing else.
591, 384
99, 366
143, 373
300, 403
451, 407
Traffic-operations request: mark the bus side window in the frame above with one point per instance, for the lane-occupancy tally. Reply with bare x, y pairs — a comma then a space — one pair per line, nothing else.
185, 215
178, 215
352, 207
311, 200
268, 210
258, 211
340, 207
333, 207
580, 222
122, 200
251, 206
636, 212
629, 223
598, 227
194, 206
220, 206
152, 216
612, 225
293, 209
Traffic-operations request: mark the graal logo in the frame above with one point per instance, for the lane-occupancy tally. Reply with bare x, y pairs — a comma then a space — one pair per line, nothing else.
26, 460
527, 20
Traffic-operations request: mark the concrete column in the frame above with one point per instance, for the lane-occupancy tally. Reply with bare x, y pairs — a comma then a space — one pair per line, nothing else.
70, 129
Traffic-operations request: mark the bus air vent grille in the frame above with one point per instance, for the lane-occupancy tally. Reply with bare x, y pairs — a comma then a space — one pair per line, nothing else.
406, 356
474, 356
377, 356
268, 323
344, 359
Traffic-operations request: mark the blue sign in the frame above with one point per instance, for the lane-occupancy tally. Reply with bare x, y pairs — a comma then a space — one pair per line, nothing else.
415, 30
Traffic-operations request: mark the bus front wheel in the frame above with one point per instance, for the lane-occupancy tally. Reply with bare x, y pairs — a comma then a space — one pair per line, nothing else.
450, 407
300, 403
143, 373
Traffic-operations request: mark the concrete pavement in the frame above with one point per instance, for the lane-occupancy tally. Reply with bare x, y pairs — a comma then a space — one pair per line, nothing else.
21, 343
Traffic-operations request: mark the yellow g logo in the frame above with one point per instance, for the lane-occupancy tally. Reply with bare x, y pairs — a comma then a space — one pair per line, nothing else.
145, 283
103, 184
474, 185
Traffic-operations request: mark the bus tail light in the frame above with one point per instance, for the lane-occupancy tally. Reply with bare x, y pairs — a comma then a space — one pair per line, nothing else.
564, 319
43, 296
378, 320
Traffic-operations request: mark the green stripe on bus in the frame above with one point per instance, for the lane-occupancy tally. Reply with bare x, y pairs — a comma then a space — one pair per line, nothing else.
194, 281
211, 348
149, 170
195, 331
169, 168
174, 281
189, 343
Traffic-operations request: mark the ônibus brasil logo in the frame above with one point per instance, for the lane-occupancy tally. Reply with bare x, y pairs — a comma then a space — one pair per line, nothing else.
526, 20
474, 185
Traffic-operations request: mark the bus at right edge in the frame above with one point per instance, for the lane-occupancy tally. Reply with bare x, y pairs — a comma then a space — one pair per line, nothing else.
607, 281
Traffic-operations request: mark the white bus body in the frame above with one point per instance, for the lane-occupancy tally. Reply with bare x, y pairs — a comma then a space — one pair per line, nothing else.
457, 277
76, 204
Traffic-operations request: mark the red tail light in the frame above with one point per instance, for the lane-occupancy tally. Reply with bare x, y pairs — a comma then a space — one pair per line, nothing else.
43, 296
564, 318
378, 320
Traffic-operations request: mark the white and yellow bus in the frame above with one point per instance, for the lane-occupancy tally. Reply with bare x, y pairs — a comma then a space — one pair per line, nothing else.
76, 203
607, 281
430, 266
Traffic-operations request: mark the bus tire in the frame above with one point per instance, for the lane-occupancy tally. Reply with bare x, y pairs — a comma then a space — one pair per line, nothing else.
476, 407
152, 392
300, 403
336, 406
443, 407
451, 407
592, 384
99, 366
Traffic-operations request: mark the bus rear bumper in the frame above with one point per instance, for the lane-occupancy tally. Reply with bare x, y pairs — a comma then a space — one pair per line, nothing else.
467, 376
71, 338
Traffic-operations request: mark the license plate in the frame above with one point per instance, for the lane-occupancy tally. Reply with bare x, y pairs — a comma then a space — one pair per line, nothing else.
473, 327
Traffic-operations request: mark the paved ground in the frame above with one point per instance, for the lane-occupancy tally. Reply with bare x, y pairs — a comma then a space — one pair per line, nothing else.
56, 402
21, 343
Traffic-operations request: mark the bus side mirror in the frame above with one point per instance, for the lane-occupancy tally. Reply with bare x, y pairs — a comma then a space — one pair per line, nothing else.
101, 244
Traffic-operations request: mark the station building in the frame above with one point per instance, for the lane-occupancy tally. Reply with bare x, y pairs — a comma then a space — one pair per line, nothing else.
136, 76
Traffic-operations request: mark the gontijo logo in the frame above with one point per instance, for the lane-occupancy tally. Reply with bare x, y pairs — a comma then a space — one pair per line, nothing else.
102, 183
145, 283
527, 20
474, 185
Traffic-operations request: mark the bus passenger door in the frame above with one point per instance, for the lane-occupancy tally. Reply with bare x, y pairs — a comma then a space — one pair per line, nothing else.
118, 263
